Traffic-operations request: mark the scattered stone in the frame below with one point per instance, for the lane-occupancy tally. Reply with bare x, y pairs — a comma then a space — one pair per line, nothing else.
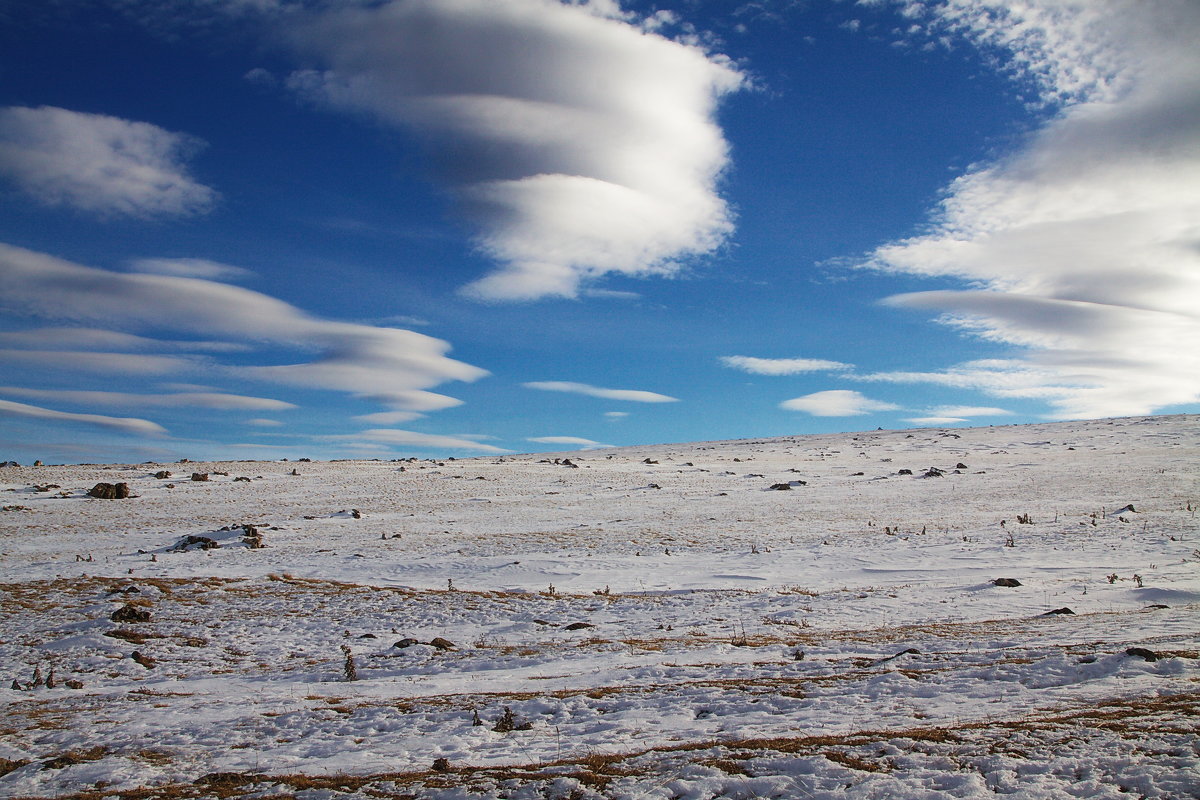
905, 472
354, 512
1057, 611
781, 487
368, 636
542, 622
109, 491
1006, 582
16, 508
199, 476
648, 461
443, 644
578, 626
130, 613
1142, 652
73, 684
1129, 508
405, 642
46, 487
241, 479
144, 660
441, 765
933, 472
126, 635
162, 474
961, 465
1156, 606
200, 542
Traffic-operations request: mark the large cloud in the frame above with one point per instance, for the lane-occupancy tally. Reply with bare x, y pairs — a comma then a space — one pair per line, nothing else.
1082, 246
98, 163
578, 143
394, 366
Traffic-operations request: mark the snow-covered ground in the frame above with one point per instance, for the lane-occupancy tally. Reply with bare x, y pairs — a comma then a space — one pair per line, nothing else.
652, 622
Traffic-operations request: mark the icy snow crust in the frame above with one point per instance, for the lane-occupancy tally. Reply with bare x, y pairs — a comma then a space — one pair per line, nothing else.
840, 638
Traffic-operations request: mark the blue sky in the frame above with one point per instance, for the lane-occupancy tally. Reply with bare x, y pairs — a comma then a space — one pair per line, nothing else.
282, 228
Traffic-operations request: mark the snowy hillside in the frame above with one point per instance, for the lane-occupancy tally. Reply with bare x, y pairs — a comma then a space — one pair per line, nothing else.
811, 616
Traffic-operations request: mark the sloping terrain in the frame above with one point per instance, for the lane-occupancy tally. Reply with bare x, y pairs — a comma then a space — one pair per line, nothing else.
664, 621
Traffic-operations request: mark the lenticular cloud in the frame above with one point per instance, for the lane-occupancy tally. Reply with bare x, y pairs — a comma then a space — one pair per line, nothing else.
576, 143
1081, 246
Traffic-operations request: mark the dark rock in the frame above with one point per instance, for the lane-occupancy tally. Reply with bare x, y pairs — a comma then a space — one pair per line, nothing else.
578, 626
542, 622
405, 642
144, 660
1142, 652
648, 461
162, 474
781, 487
130, 613
241, 479
442, 644
961, 465
109, 491
368, 636
441, 765
201, 542
199, 476
905, 472
1129, 508
933, 473
1057, 611
1006, 582
1156, 606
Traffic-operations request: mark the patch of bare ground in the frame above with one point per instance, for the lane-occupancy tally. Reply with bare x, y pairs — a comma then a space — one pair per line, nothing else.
871, 751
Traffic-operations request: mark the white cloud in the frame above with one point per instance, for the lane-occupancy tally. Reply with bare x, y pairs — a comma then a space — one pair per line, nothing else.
190, 268
389, 417
836, 403
935, 421
264, 423
100, 339
103, 363
139, 427
1081, 246
577, 143
969, 411
424, 440
214, 400
397, 366
630, 395
98, 163
616, 414
781, 366
586, 443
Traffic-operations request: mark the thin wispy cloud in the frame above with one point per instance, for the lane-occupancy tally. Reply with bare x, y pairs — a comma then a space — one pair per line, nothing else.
629, 395
576, 142
574, 440
1081, 245
394, 436
394, 365
836, 403
782, 366
212, 400
190, 268
101, 164
130, 425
